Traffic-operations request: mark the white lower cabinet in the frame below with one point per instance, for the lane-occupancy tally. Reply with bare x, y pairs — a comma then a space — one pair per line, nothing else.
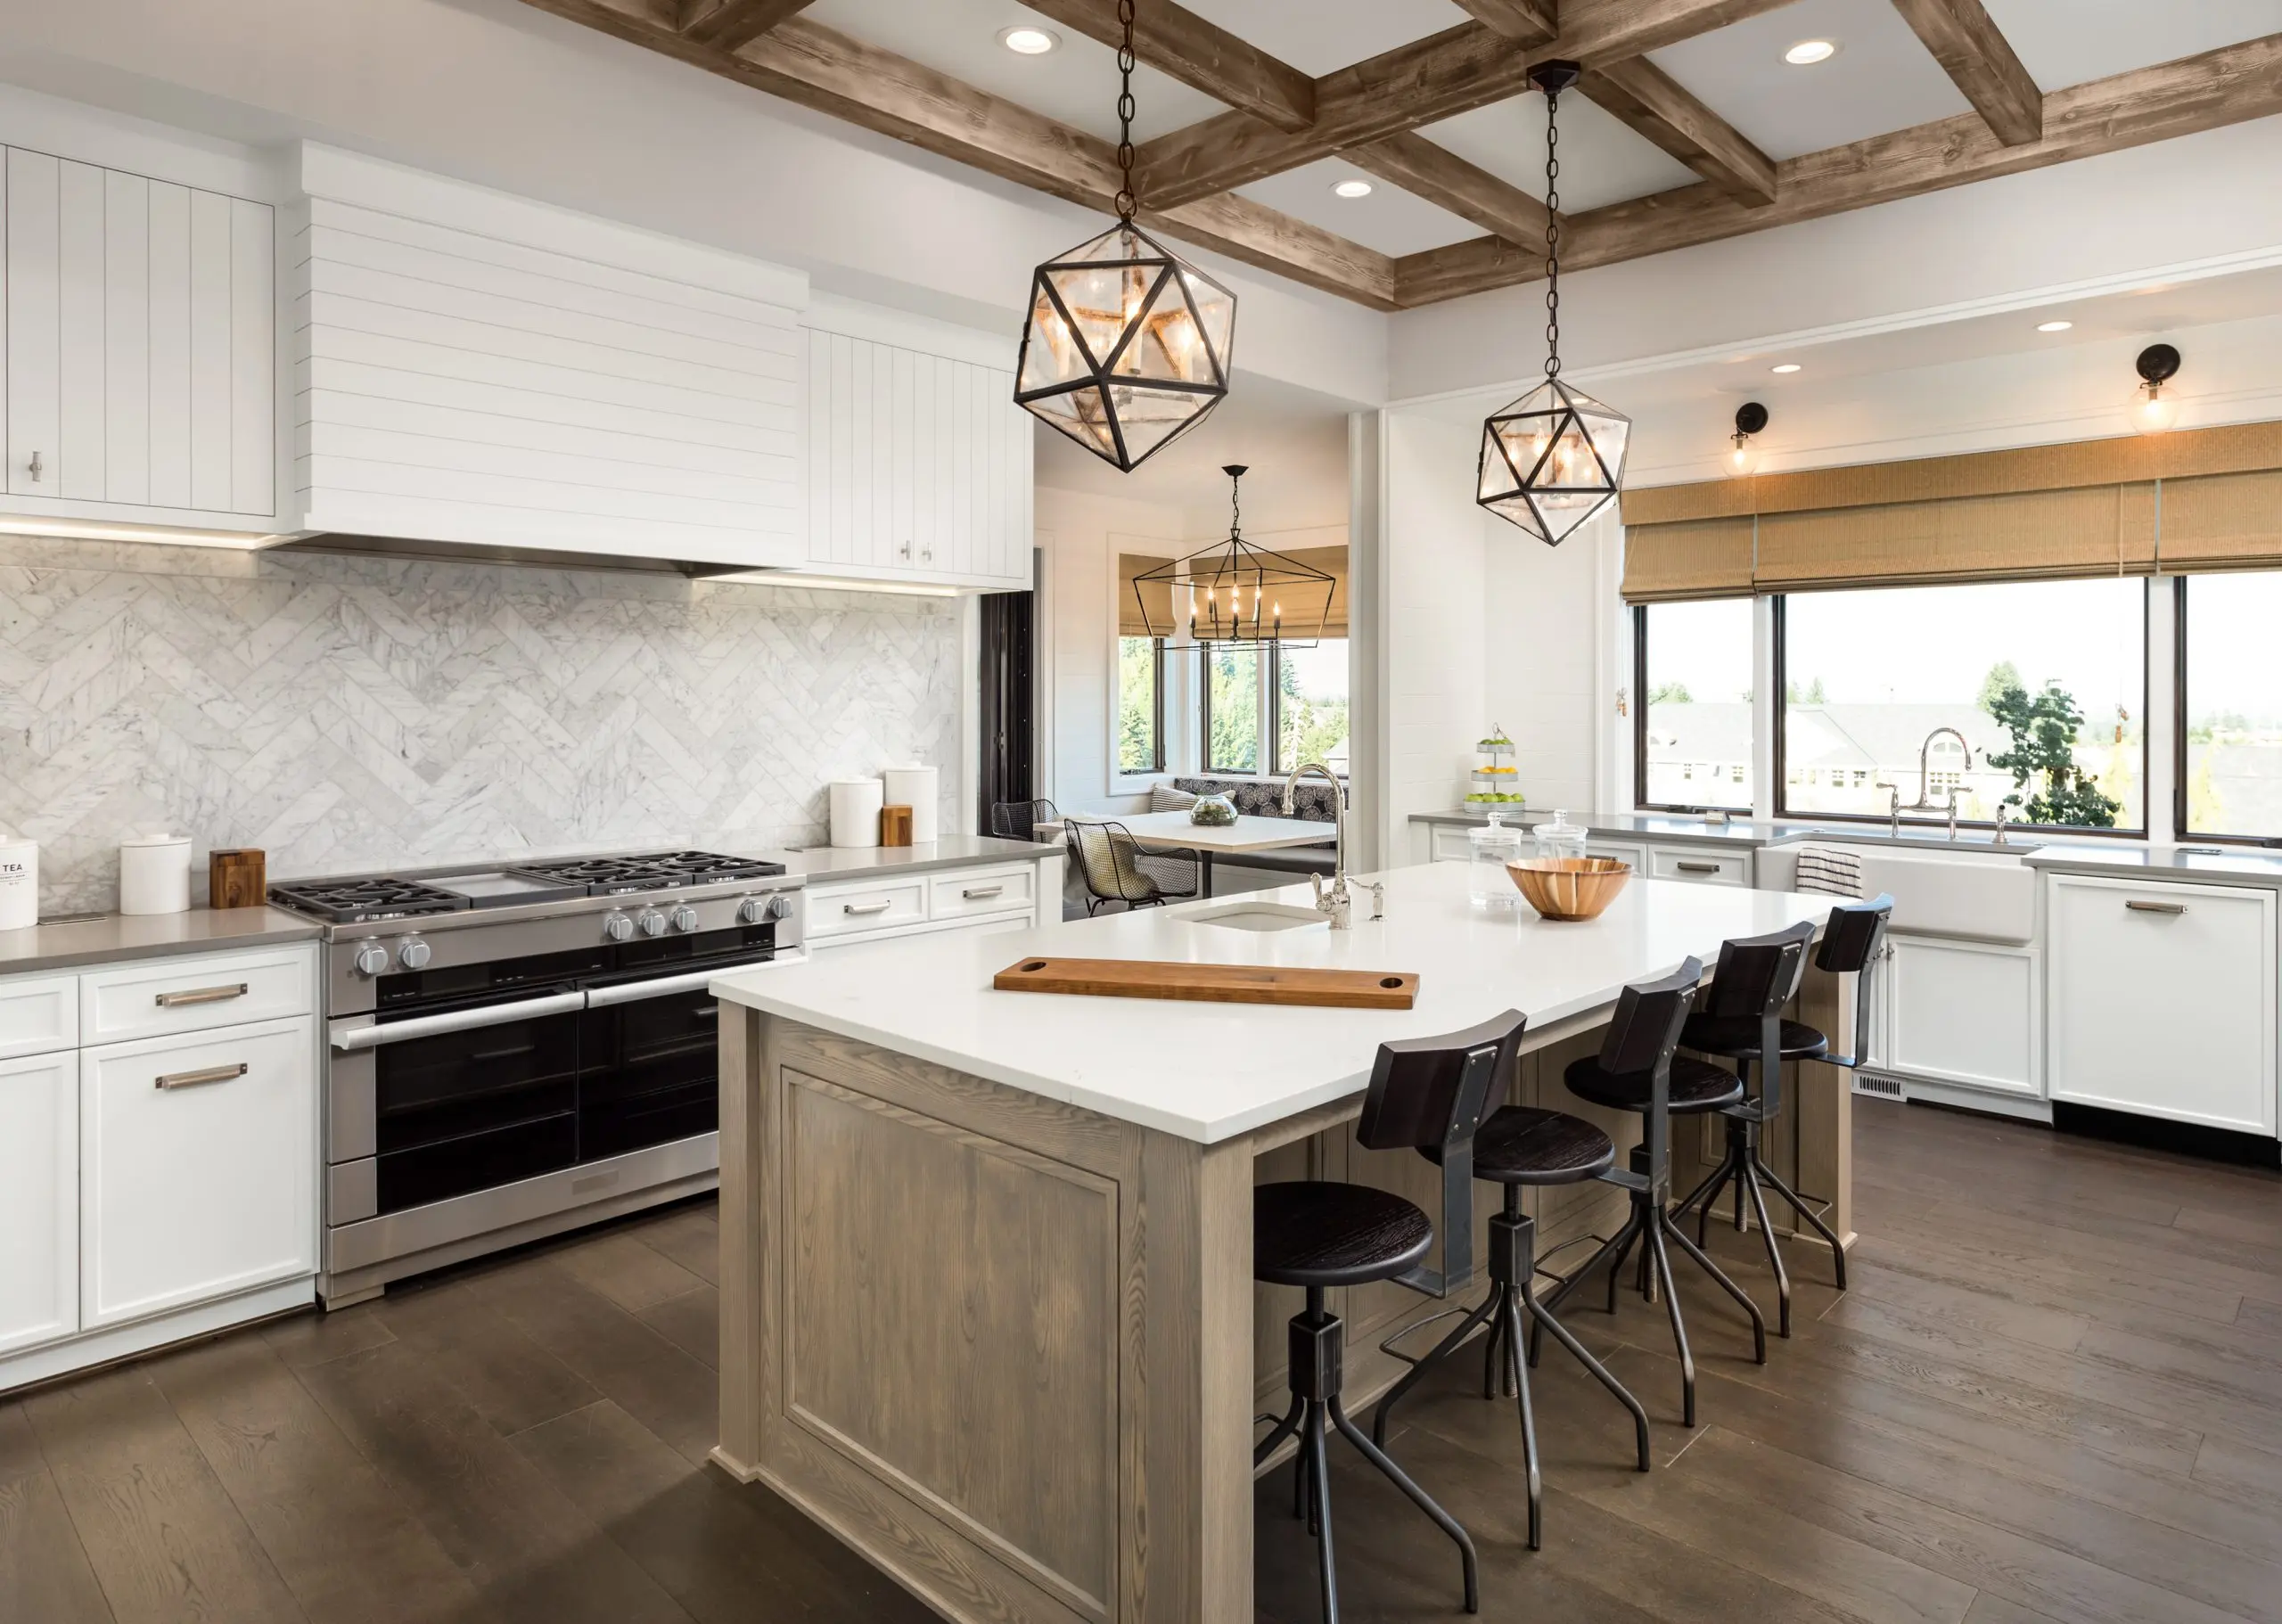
1963, 1012
39, 1199
996, 896
198, 1167
2162, 999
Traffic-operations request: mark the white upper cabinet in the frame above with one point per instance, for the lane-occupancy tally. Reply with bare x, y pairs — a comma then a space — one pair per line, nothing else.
476, 368
919, 459
141, 348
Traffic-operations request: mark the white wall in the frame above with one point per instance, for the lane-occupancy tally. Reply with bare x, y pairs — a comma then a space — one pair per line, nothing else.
1543, 641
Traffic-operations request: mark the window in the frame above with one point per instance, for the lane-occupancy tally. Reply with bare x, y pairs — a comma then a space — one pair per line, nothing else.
1232, 709
1310, 685
1692, 736
2045, 680
2229, 707
1140, 705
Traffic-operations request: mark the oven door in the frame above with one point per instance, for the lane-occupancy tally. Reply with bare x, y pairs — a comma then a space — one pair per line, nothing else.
458, 1102
649, 1061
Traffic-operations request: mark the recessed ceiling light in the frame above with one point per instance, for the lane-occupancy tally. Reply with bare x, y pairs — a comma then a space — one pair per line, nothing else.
1809, 52
1351, 188
2054, 326
1787, 367
1026, 39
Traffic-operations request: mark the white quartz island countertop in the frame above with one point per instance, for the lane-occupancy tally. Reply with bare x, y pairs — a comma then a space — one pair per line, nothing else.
1209, 1072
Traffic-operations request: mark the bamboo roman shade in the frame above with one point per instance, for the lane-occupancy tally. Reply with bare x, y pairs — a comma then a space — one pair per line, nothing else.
1130, 621
1332, 562
2209, 499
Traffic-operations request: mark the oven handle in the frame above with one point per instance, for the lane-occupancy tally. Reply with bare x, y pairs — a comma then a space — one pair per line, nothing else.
695, 981
354, 1038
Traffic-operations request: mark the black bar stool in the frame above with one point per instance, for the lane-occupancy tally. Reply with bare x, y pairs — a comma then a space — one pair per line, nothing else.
1743, 1022
1637, 1071
1520, 1146
1427, 1092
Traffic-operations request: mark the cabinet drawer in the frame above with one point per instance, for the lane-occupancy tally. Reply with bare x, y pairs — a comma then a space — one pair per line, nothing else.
1702, 868
39, 1014
844, 910
159, 997
198, 1167
997, 890
1451, 845
1633, 857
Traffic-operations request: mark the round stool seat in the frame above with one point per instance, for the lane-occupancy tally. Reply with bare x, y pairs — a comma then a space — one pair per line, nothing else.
1522, 1144
1311, 1232
1738, 1038
1698, 1086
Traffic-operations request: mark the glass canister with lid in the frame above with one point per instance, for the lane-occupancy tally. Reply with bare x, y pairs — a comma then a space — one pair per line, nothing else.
1560, 838
1494, 846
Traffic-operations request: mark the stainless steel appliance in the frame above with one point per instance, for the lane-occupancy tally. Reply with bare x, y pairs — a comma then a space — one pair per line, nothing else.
515, 1051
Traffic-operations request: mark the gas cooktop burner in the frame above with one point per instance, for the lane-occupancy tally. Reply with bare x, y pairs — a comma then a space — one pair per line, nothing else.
649, 871
357, 901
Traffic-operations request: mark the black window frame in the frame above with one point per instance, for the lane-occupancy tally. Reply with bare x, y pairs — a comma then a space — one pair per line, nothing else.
2180, 830
1156, 712
1271, 751
1640, 802
1780, 764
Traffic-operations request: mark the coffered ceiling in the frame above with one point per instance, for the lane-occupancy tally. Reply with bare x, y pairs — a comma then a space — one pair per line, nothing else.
1689, 126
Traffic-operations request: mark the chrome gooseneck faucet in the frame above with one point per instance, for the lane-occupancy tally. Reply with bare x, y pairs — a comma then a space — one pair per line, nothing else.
1925, 802
1334, 904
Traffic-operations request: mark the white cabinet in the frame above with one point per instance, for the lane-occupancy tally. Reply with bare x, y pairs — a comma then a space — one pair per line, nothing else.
172, 996
39, 1199
38, 1014
141, 346
2162, 999
198, 1167
1962, 1013
1001, 897
475, 369
1699, 865
919, 459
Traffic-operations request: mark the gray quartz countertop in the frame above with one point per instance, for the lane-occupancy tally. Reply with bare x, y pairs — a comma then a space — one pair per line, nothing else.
2195, 864
820, 864
1621, 825
65, 944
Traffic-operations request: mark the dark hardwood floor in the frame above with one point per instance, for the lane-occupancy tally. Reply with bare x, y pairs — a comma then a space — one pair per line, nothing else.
2052, 1394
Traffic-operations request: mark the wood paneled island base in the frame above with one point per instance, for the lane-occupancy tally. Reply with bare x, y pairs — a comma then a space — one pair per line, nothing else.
1009, 1347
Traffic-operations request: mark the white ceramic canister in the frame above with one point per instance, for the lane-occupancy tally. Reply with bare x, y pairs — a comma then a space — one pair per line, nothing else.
919, 788
18, 883
154, 873
856, 804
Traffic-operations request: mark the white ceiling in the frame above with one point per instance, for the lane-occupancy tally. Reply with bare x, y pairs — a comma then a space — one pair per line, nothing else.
1883, 79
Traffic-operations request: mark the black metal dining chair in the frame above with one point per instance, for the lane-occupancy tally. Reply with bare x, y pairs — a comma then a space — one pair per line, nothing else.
1115, 869
1018, 820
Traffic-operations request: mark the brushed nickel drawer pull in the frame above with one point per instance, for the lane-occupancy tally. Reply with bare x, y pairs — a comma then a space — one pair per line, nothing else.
979, 893
211, 1074
2156, 907
1697, 868
202, 995
863, 909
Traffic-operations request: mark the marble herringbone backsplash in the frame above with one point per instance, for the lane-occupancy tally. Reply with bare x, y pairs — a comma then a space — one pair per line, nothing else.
351, 713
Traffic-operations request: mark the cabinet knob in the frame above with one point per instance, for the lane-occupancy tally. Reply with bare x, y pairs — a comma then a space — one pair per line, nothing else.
37, 467
907, 549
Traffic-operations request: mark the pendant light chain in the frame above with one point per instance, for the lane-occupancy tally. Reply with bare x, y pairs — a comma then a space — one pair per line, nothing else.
1235, 506
1128, 205
1552, 236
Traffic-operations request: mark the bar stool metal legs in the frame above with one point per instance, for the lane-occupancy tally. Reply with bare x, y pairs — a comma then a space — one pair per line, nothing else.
1317, 1345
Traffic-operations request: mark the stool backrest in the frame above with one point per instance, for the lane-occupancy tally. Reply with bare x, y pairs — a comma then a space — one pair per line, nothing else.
1758, 975
1430, 1093
1851, 944
1643, 1036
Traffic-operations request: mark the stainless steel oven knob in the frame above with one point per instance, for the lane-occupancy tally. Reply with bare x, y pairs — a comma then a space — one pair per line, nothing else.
753, 910
653, 922
618, 927
685, 918
412, 954
372, 958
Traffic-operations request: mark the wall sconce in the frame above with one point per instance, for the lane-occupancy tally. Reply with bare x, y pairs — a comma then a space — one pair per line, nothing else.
1750, 417
2154, 412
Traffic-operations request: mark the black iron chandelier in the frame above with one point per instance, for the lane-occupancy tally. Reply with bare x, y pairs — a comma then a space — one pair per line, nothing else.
1234, 592
1126, 345
1552, 459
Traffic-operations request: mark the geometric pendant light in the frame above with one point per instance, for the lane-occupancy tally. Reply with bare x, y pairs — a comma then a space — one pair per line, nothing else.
1553, 458
1125, 345
1236, 591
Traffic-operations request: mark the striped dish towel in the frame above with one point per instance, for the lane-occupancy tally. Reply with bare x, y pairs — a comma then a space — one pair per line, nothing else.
1830, 870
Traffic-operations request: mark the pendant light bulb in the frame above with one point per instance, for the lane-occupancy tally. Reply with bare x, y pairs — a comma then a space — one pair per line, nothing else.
2154, 412
1742, 458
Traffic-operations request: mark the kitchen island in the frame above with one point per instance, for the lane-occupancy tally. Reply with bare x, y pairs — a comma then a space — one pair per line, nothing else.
986, 1304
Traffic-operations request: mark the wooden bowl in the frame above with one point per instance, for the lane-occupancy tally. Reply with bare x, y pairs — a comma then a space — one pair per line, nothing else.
1569, 888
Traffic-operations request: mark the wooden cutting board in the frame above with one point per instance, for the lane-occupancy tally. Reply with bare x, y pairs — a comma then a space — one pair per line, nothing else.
1111, 978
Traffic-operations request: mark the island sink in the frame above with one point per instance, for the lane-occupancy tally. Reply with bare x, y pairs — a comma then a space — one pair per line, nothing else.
1262, 917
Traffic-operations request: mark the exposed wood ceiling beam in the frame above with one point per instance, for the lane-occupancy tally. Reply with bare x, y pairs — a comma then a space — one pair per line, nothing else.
733, 23
1645, 97
819, 68
2227, 86
1531, 21
1422, 83
1443, 178
1200, 54
1973, 52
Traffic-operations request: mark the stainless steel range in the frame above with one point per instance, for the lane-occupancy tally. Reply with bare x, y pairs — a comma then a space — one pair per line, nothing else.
515, 1051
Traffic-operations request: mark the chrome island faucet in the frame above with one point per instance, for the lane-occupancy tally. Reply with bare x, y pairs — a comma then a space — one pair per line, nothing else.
1335, 904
